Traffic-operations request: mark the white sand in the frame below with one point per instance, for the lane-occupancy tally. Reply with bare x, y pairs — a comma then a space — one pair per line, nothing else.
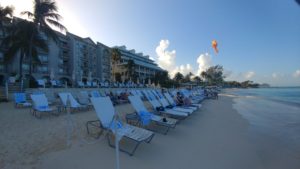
216, 137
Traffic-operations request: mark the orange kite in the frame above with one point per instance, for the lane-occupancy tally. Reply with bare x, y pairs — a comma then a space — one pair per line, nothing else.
214, 44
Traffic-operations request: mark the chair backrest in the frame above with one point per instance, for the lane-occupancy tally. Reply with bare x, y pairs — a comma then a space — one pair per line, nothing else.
80, 83
88, 83
152, 99
84, 94
95, 84
53, 83
104, 109
41, 82
137, 104
20, 97
39, 100
64, 96
95, 93
170, 99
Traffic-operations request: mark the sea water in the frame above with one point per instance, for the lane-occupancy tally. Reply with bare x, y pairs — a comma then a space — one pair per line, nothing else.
274, 117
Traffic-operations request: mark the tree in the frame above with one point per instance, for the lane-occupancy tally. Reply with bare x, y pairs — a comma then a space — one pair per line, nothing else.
197, 79
187, 78
130, 66
115, 58
178, 77
213, 75
5, 16
118, 77
44, 17
18, 40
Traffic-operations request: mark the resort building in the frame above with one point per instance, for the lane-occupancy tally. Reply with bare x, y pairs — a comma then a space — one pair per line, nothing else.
73, 58
144, 67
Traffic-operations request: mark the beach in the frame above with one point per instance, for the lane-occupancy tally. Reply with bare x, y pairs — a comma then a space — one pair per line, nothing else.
214, 137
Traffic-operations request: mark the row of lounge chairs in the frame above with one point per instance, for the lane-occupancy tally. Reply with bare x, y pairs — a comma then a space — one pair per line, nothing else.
139, 126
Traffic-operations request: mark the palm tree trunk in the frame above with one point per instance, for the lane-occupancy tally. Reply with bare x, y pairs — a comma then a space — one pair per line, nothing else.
30, 55
21, 65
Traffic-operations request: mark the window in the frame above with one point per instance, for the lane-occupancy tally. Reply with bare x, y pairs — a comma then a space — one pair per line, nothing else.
43, 69
25, 67
43, 58
1, 67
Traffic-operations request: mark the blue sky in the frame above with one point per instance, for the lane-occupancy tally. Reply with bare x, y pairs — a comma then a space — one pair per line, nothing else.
258, 40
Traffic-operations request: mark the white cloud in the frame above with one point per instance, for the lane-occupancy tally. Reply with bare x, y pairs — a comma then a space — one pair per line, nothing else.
249, 75
297, 73
275, 75
166, 60
204, 61
227, 73
184, 69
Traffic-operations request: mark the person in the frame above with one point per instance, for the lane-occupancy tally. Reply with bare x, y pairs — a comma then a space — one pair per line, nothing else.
179, 99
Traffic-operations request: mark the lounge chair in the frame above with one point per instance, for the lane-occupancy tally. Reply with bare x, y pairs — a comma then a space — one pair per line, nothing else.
172, 102
95, 93
80, 84
106, 113
159, 108
40, 105
20, 100
41, 83
166, 105
74, 104
144, 117
84, 99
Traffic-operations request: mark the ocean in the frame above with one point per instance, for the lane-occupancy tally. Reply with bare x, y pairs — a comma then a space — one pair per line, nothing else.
274, 118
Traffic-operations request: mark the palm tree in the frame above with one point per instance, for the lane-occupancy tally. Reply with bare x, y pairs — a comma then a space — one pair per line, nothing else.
18, 40
5, 16
44, 16
197, 79
115, 57
178, 77
130, 68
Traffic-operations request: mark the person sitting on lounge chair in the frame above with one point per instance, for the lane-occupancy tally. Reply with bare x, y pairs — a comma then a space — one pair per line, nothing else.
179, 99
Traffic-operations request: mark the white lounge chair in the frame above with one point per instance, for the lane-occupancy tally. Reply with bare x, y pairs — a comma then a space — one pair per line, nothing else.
21, 101
80, 84
41, 83
106, 113
74, 104
144, 116
40, 105
172, 101
165, 104
158, 107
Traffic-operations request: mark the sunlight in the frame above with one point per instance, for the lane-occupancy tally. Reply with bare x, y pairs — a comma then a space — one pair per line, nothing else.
69, 18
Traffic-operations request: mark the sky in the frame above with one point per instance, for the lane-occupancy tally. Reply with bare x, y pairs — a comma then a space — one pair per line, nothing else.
257, 40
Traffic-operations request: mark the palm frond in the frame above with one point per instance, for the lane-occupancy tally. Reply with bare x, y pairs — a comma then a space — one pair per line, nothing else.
53, 15
28, 13
56, 24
